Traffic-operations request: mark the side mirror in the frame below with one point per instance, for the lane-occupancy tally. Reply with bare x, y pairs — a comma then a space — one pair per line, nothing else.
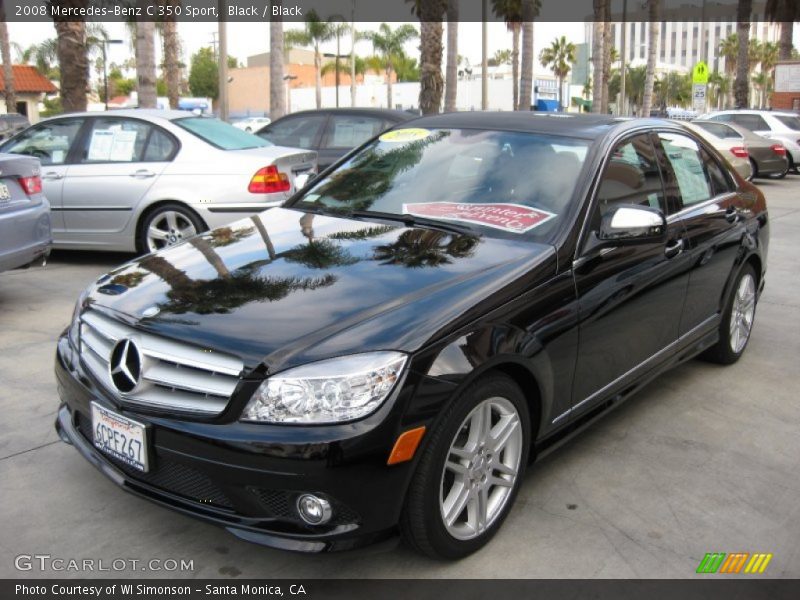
632, 224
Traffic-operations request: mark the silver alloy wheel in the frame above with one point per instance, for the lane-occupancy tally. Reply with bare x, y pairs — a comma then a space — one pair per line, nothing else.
168, 228
481, 468
743, 311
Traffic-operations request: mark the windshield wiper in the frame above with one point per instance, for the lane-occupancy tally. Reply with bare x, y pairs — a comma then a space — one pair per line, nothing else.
412, 221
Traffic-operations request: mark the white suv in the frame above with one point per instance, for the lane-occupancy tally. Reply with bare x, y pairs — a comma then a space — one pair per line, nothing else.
781, 126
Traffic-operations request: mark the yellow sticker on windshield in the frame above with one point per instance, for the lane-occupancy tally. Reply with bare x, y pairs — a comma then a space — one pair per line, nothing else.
412, 134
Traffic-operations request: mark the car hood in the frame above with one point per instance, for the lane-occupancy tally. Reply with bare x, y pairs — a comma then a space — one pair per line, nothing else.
286, 287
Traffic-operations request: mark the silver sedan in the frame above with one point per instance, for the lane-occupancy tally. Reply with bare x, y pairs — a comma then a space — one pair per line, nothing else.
140, 180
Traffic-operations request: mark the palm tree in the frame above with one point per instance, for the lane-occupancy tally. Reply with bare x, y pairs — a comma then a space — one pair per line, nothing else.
430, 14
8, 73
718, 88
72, 59
146, 63
655, 30
511, 12
598, 54
729, 50
451, 70
762, 83
172, 56
741, 85
316, 32
277, 98
388, 44
529, 11
786, 12
558, 57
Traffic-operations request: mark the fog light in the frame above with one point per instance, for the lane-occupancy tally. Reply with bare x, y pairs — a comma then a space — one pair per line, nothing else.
314, 510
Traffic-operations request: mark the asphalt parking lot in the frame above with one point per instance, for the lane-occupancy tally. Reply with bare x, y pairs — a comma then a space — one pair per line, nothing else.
707, 459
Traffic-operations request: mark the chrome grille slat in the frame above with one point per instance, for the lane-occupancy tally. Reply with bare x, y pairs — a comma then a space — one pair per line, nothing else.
174, 376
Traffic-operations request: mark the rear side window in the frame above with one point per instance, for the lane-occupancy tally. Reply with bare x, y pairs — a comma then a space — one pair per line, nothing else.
49, 142
751, 122
349, 131
295, 132
220, 134
719, 129
160, 147
686, 174
792, 123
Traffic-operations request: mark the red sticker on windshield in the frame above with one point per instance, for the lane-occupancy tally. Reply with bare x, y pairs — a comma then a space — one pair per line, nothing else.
515, 218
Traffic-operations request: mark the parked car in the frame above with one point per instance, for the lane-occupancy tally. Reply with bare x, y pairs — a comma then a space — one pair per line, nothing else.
251, 124
768, 158
331, 132
730, 144
391, 347
145, 179
25, 235
11, 124
783, 127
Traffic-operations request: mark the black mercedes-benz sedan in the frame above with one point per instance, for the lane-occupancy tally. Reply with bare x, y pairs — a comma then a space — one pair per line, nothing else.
392, 348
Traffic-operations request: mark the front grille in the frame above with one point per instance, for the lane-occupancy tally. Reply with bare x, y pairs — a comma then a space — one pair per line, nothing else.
170, 476
174, 376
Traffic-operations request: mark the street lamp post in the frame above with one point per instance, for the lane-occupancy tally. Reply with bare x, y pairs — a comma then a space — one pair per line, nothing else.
105, 67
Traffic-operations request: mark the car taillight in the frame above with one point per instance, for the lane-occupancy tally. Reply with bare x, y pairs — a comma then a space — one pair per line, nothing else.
740, 151
268, 181
31, 185
778, 149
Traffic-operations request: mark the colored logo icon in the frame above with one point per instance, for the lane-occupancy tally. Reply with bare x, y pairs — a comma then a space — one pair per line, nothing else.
734, 563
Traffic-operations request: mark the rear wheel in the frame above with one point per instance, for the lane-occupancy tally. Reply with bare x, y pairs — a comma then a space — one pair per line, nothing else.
167, 225
753, 170
470, 471
737, 320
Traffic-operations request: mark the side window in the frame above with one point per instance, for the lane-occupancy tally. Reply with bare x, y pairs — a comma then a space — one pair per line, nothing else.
751, 122
631, 176
49, 142
349, 131
687, 178
295, 132
160, 147
115, 140
720, 182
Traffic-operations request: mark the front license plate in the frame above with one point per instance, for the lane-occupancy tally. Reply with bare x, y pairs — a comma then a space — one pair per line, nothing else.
120, 437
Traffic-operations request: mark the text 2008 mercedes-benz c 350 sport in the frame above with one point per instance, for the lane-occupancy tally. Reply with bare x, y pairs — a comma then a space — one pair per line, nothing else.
389, 350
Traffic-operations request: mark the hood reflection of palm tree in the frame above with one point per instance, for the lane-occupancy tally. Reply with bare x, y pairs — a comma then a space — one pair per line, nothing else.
317, 254
425, 248
218, 238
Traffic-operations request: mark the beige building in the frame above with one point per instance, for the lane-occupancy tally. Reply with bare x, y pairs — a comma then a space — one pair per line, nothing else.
30, 88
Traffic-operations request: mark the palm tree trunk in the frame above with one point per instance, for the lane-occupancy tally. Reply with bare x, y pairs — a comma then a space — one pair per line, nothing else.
262, 231
451, 76
172, 53
607, 45
430, 72
598, 39
515, 63
8, 73
526, 67
202, 245
787, 33
389, 72
741, 87
650, 77
277, 97
318, 75
146, 63
73, 62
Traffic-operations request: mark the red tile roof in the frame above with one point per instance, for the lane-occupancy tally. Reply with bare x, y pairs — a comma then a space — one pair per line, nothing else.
27, 79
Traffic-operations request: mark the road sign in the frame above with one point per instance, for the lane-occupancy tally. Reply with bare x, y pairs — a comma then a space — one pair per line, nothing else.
699, 97
700, 73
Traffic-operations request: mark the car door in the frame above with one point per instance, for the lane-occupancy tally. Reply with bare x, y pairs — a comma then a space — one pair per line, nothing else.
112, 172
296, 131
710, 210
344, 132
630, 298
51, 142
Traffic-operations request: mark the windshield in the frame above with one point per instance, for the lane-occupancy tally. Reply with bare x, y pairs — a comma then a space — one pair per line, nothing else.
220, 134
496, 182
790, 122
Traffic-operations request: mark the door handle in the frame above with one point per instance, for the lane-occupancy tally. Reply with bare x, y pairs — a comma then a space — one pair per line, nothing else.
731, 215
674, 248
52, 175
142, 174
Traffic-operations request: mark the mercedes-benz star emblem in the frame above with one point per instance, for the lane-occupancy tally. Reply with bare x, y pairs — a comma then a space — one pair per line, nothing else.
125, 365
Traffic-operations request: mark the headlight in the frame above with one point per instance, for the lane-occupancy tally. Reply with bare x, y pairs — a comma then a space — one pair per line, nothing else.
328, 391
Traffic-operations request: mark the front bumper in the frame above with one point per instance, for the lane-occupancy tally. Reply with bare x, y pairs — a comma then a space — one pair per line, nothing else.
249, 486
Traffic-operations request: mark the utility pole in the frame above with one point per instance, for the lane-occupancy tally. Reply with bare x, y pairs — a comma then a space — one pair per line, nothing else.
484, 56
353, 36
623, 57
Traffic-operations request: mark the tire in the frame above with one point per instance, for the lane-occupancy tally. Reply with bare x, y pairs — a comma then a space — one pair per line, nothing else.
740, 305
754, 168
780, 175
435, 486
187, 224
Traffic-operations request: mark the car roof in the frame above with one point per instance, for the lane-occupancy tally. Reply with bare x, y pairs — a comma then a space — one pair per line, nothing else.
397, 115
585, 126
754, 111
142, 113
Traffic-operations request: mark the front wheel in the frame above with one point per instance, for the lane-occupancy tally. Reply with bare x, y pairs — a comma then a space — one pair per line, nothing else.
737, 320
470, 471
